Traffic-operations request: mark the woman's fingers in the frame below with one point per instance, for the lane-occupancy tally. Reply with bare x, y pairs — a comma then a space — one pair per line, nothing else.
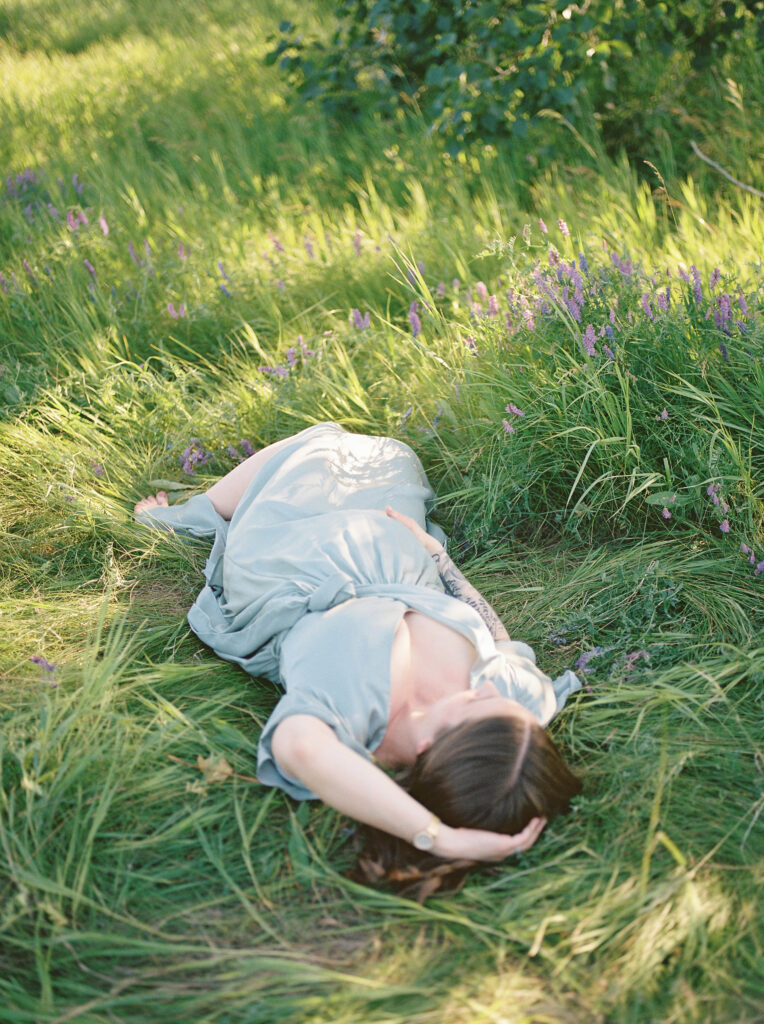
478, 844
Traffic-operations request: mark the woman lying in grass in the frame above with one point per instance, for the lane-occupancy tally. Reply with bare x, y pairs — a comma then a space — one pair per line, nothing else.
326, 578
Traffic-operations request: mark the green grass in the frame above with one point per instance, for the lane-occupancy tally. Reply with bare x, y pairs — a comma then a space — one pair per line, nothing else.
132, 890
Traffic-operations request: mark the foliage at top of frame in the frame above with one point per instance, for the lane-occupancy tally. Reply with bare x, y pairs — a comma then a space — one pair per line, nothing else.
482, 68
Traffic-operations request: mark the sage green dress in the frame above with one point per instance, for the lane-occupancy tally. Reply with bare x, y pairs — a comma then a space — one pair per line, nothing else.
307, 583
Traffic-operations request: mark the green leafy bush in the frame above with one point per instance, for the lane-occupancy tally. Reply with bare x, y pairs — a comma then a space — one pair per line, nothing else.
478, 71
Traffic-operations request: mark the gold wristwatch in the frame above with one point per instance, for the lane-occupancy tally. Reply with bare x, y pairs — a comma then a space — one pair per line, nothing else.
425, 840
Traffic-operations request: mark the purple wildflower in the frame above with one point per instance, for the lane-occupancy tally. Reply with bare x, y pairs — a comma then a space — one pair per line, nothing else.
455, 284
133, 253
77, 184
759, 568
96, 467
696, 284
744, 549
609, 352
357, 243
90, 269
246, 447
573, 308
416, 323
469, 341
103, 225
221, 268
743, 304
634, 656
583, 263
233, 452
714, 278
589, 340
646, 306
508, 426
725, 311
29, 272
440, 291
224, 290
585, 658
309, 248
276, 371
276, 243
542, 225
360, 322
665, 513
482, 291
724, 526
280, 285
182, 251
412, 277
493, 305
53, 211
564, 230
71, 220
45, 665
664, 299
664, 414
176, 314
512, 409
723, 351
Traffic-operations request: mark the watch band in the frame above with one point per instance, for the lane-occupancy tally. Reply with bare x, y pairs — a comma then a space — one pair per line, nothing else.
425, 840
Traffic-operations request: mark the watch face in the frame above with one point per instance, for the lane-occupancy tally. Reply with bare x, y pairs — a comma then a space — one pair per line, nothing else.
424, 841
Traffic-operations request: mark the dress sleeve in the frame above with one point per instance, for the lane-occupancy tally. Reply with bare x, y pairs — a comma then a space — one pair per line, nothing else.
534, 689
196, 517
300, 703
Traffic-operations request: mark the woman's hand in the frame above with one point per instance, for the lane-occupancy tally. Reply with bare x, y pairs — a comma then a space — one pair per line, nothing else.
430, 544
151, 502
477, 844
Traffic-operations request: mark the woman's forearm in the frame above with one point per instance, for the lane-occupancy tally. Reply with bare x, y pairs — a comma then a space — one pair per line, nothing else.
458, 586
307, 749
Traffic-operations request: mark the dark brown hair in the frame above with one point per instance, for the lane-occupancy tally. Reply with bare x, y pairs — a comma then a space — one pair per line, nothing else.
493, 773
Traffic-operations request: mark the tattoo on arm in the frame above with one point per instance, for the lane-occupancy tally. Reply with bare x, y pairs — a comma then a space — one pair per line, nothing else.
458, 586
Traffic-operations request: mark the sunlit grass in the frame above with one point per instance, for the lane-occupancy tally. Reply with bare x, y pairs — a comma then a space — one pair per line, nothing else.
232, 234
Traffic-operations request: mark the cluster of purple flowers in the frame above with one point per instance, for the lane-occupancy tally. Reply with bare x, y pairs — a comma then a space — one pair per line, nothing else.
634, 657
292, 357
360, 322
194, 455
749, 552
45, 665
240, 456
713, 492
582, 664
512, 410
416, 323
176, 314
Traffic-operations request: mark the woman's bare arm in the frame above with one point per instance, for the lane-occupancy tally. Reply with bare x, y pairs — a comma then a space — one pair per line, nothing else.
456, 584
307, 749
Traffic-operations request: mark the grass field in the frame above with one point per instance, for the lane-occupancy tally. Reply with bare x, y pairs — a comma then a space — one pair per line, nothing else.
188, 262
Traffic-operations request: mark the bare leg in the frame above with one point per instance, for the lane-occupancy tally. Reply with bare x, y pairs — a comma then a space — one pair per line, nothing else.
226, 494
